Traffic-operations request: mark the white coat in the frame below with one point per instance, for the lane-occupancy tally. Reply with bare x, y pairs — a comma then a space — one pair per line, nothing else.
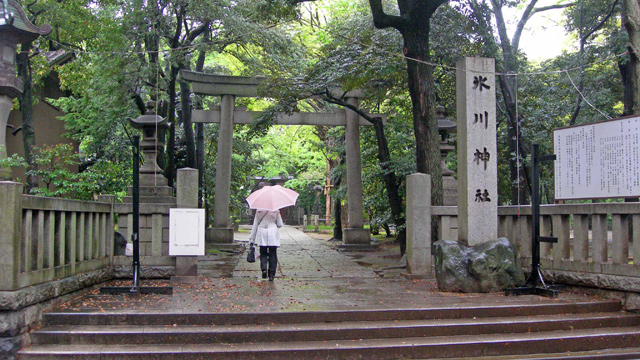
265, 228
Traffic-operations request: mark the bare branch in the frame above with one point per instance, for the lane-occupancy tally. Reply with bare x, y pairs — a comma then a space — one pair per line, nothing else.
327, 96
382, 20
528, 13
601, 23
551, 7
197, 31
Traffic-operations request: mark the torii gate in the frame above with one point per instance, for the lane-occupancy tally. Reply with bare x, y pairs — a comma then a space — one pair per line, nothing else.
228, 88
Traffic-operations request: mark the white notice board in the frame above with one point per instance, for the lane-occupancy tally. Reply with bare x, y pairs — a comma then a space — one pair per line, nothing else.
186, 232
598, 160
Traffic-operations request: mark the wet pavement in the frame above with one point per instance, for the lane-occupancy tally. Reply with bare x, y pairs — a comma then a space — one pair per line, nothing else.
313, 276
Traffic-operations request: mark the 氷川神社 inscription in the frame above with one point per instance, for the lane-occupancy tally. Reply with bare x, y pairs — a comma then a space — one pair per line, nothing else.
598, 160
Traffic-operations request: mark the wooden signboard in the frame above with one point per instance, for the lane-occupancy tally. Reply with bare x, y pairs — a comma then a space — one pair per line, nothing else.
598, 160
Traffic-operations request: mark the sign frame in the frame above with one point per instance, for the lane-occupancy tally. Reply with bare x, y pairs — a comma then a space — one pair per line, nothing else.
186, 232
583, 150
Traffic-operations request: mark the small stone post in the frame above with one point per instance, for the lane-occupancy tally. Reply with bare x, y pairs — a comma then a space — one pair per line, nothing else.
419, 226
187, 197
11, 234
477, 151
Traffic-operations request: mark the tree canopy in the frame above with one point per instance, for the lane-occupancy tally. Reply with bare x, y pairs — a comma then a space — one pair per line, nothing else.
401, 54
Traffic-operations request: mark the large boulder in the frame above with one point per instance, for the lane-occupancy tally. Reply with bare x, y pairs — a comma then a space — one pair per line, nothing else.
488, 267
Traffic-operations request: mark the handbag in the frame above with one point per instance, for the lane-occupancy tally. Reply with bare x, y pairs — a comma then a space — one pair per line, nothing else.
251, 255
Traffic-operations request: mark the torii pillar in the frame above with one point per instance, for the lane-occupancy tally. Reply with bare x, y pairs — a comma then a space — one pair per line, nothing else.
222, 231
228, 87
355, 233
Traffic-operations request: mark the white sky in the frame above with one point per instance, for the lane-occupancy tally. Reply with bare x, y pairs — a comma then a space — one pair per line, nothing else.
544, 35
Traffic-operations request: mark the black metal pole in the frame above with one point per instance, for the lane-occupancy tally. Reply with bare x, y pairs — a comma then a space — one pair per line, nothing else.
535, 215
535, 282
135, 238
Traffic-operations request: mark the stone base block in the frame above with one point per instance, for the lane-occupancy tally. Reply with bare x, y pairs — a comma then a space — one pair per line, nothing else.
356, 236
219, 235
488, 267
186, 266
152, 180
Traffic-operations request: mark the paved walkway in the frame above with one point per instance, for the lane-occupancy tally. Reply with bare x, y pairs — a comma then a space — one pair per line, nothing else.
314, 276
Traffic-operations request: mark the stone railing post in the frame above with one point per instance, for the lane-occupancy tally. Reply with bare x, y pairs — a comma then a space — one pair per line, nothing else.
187, 198
187, 188
11, 234
109, 226
419, 225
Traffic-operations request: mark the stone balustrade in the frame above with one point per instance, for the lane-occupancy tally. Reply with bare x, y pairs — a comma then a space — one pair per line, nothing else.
596, 246
45, 239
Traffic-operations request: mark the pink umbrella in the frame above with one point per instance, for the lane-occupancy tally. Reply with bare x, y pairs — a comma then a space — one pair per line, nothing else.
272, 198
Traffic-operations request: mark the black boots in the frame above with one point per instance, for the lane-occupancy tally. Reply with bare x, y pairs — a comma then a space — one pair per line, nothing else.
272, 275
264, 274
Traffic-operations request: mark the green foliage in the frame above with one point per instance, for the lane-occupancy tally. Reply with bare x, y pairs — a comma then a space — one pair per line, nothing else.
125, 51
57, 172
11, 161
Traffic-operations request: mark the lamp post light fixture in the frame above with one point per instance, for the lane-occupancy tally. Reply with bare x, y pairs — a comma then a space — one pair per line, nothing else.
150, 123
15, 28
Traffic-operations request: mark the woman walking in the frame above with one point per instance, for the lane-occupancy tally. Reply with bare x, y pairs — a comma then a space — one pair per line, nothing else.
265, 234
268, 201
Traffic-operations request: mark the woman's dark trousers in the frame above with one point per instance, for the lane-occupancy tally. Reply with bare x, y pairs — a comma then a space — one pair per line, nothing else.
269, 255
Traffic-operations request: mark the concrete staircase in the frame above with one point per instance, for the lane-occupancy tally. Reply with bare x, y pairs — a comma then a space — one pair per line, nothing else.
585, 330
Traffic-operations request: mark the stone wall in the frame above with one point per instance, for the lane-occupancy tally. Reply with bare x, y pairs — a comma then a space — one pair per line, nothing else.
21, 310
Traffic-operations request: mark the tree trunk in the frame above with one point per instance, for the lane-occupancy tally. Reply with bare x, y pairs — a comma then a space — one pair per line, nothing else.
26, 109
624, 66
337, 205
631, 21
422, 92
392, 184
414, 25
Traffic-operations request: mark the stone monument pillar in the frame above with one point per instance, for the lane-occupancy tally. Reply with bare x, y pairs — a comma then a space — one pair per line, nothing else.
355, 233
477, 151
15, 28
222, 232
478, 261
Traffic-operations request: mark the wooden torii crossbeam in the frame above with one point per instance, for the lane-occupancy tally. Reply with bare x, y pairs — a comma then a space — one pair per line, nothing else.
242, 116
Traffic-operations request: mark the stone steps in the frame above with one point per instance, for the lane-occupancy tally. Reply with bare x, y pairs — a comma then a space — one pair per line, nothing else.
446, 332
155, 334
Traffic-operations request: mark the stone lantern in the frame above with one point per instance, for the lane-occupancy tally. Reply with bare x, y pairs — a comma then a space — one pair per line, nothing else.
150, 124
153, 184
445, 128
15, 29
